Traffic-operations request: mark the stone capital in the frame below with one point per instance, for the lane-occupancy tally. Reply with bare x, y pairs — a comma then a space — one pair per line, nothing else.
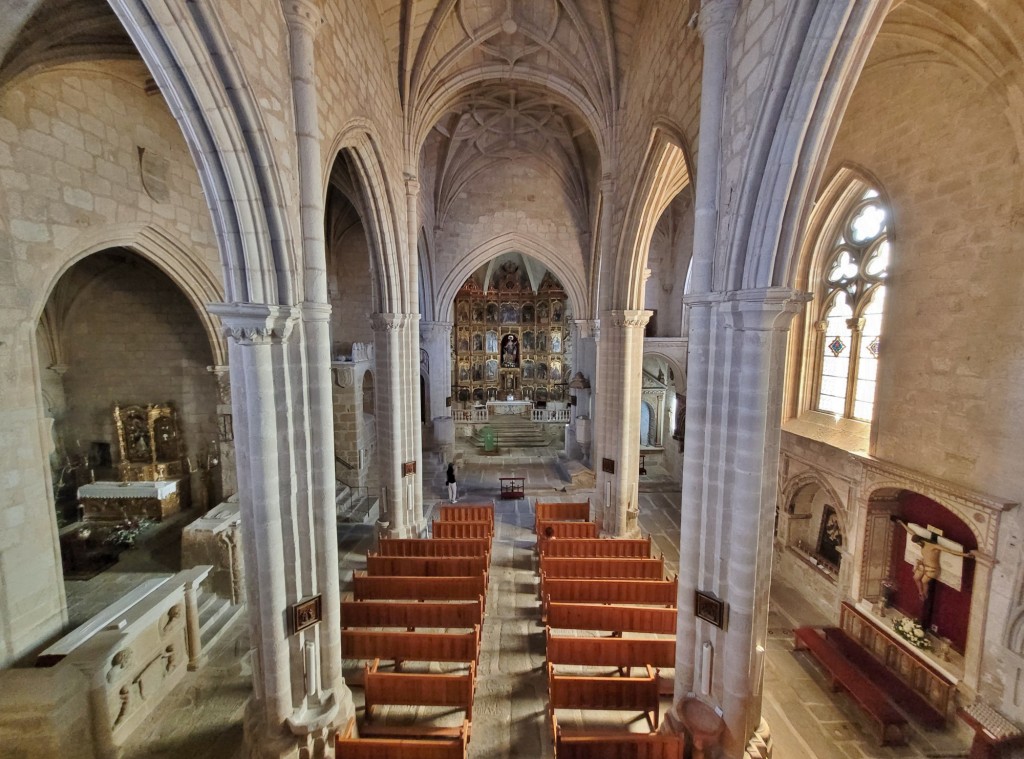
412, 184
856, 324
762, 309
587, 327
715, 17
435, 330
303, 15
632, 318
382, 322
255, 323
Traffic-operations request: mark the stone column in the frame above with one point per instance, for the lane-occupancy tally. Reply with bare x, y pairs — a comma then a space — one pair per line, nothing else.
413, 417
435, 338
303, 18
618, 419
388, 330
225, 443
728, 513
194, 641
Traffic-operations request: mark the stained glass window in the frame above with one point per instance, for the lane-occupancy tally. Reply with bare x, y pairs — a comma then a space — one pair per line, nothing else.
853, 277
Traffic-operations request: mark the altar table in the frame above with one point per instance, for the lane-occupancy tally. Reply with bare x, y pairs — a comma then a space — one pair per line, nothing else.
509, 408
118, 500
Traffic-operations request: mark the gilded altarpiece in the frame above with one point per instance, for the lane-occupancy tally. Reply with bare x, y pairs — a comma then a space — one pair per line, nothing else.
511, 341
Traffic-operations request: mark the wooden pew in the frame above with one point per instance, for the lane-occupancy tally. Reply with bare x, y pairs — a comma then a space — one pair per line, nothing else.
659, 653
612, 693
411, 747
433, 547
612, 548
365, 588
598, 567
412, 614
560, 512
563, 529
619, 744
615, 619
410, 646
644, 592
843, 673
408, 689
908, 699
463, 530
422, 566
469, 512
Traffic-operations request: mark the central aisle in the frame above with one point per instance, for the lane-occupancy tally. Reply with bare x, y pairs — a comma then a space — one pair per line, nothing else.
509, 713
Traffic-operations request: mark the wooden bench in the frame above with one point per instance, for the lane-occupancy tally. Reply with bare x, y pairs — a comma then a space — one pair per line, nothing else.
419, 689
615, 619
619, 744
843, 673
462, 530
412, 614
412, 747
561, 530
644, 592
612, 548
597, 567
410, 646
470, 512
909, 700
365, 588
560, 512
622, 653
605, 693
433, 547
422, 566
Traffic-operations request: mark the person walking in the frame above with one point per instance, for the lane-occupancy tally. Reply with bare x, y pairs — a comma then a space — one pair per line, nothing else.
453, 488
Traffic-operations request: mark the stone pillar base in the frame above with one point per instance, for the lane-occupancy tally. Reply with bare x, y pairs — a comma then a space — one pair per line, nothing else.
700, 723
308, 734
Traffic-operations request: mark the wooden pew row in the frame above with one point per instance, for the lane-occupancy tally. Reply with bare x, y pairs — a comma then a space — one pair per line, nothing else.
433, 547
470, 512
643, 592
421, 566
659, 653
843, 673
552, 567
412, 614
560, 512
615, 619
561, 530
607, 744
409, 689
638, 694
443, 747
612, 548
462, 530
365, 588
411, 646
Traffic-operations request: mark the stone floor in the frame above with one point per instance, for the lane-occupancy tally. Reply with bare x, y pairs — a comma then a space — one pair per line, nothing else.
202, 720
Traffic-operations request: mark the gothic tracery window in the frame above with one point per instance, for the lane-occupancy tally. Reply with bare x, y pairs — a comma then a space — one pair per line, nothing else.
853, 278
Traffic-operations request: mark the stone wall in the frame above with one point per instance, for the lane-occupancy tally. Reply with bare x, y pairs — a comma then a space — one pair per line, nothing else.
69, 168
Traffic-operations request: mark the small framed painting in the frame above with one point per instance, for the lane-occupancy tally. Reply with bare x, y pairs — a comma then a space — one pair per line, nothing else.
306, 613
710, 609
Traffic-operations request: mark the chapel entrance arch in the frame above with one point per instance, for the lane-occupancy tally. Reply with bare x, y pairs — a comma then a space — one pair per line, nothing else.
117, 330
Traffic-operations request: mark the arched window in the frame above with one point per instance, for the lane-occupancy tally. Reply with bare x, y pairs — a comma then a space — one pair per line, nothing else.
852, 279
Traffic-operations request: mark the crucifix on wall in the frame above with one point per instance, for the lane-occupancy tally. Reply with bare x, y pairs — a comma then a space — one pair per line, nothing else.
934, 557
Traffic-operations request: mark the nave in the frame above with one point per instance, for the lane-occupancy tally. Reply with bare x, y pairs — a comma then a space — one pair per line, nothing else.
203, 717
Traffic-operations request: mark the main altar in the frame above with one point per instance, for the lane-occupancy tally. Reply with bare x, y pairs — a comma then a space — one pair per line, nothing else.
509, 408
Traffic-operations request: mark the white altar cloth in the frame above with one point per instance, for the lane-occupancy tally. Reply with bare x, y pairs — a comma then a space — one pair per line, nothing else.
159, 490
509, 407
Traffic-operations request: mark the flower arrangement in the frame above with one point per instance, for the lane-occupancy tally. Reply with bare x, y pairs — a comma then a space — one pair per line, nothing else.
911, 631
127, 531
